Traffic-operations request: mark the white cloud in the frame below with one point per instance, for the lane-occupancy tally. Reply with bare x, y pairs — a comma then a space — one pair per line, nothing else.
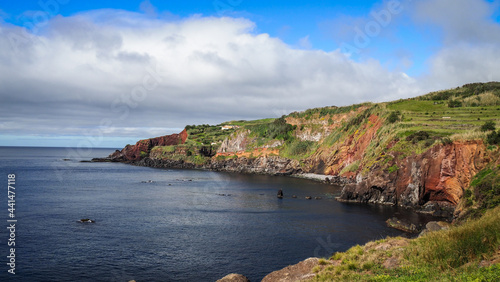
133, 71
122, 74
461, 20
471, 40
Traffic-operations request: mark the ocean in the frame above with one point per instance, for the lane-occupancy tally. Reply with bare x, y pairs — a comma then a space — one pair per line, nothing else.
167, 225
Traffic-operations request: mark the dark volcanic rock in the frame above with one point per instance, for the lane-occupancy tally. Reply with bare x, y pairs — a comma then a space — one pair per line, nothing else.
435, 226
402, 225
86, 220
262, 165
438, 176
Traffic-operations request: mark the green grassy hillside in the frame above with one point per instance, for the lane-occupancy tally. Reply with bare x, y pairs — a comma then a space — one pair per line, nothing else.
406, 127
466, 252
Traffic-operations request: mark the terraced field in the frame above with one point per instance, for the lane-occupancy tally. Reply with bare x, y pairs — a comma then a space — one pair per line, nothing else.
440, 120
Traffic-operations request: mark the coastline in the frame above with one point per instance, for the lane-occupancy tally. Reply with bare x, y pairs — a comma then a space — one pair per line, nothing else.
169, 164
329, 179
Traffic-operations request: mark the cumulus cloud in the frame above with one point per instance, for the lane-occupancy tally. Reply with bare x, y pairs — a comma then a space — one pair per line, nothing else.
118, 70
113, 73
471, 38
461, 20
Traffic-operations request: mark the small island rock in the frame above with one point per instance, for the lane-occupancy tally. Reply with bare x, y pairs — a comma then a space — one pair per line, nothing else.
86, 220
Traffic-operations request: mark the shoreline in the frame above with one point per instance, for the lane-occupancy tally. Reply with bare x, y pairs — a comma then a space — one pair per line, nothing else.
323, 178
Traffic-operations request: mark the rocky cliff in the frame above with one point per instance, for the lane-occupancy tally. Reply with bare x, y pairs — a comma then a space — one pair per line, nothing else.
142, 148
418, 153
434, 180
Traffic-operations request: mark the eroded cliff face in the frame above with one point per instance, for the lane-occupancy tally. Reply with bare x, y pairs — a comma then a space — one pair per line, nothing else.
238, 142
332, 159
439, 175
133, 152
264, 164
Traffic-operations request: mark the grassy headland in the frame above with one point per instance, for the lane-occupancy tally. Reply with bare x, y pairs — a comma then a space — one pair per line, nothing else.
465, 252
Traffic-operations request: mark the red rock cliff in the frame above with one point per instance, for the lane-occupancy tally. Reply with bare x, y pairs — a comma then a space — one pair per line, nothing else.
133, 152
441, 174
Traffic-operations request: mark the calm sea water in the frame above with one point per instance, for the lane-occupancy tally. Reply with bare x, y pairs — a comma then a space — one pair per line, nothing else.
185, 225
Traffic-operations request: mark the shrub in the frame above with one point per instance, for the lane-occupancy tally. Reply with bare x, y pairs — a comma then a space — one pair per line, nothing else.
493, 138
393, 117
446, 141
337, 256
454, 104
322, 262
443, 95
278, 129
418, 136
429, 142
368, 265
488, 126
298, 147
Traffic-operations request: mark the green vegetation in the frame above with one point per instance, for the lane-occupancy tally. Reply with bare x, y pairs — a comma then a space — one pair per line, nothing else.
404, 128
466, 91
359, 119
393, 168
488, 126
418, 136
297, 149
493, 138
454, 103
394, 116
484, 193
203, 135
448, 255
317, 112
353, 167
277, 129
434, 117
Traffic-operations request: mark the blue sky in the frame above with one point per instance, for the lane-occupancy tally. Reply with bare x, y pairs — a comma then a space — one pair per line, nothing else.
107, 73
